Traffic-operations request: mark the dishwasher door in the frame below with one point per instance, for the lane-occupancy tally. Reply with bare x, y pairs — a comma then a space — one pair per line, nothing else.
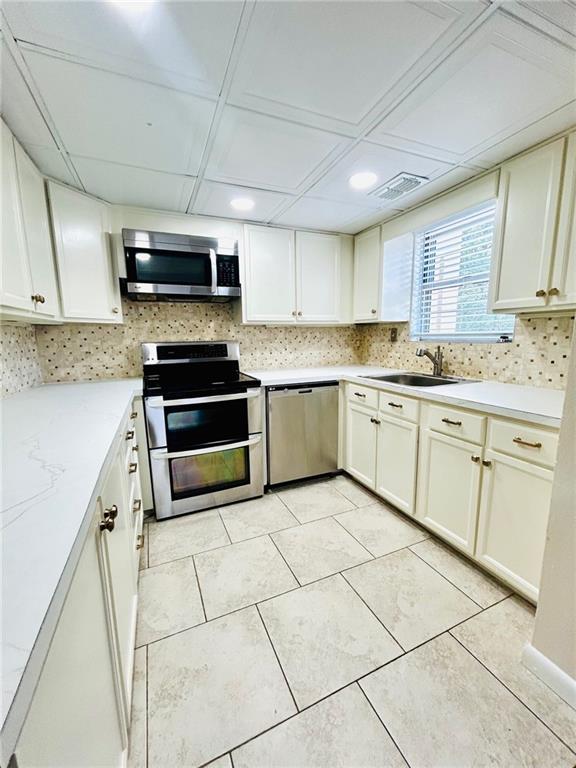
302, 431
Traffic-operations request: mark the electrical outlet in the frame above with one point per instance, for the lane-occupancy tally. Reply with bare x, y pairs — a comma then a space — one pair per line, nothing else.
393, 334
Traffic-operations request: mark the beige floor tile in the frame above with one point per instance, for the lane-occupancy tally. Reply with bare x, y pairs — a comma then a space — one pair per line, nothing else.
256, 517
497, 638
210, 689
138, 736
353, 491
169, 601
325, 638
340, 732
442, 708
312, 501
319, 549
461, 572
186, 535
241, 574
413, 601
380, 529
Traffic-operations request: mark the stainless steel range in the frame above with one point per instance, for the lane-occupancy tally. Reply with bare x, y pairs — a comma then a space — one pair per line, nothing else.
204, 420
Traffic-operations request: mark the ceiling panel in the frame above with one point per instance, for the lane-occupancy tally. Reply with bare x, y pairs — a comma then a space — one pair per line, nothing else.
322, 214
112, 117
18, 107
557, 18
51, 163
123, 185
382, 161
214, 200
180, 44
504, 77
261, 151
329, 63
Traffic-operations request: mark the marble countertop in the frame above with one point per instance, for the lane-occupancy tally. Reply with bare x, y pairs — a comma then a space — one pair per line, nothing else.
55, 444
275, 376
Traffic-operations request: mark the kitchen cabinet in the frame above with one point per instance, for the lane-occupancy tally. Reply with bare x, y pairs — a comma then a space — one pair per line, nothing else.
295, 277
396, 453
89, 287
382, 276
361, 442
534, 252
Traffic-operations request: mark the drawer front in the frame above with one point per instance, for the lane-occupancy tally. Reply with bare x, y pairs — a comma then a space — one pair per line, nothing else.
363, 395
396, 405
449, 421
522, 441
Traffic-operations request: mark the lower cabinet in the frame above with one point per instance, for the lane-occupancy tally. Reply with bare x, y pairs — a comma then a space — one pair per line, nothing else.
361, 439
448, 487
514, 506
397, 456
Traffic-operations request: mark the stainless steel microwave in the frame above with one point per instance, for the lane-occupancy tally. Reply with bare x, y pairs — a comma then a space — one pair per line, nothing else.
161, 266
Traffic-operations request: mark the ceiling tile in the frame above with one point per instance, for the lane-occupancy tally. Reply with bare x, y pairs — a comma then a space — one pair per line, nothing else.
261, 151
383, 161
315, 213
557, 19
19, 109
214, 200
179, 44
502, 78
115, 118
124, 185
51, 163
330, 63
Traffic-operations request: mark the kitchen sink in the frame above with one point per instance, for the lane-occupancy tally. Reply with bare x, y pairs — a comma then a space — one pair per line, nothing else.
416, 379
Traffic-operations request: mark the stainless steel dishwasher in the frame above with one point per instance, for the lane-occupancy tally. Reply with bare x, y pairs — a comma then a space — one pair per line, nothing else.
302, 430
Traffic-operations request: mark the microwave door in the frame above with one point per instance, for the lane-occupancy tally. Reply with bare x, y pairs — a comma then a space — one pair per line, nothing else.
172, 271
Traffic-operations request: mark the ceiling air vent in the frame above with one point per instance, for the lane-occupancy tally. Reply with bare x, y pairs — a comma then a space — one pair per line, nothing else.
398, 186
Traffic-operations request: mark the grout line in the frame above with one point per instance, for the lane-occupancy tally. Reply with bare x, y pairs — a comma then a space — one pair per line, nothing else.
277, 659
224, 525
373, 708
503, 684
286, 561
199, 588
231, 758
364, 547
422, 560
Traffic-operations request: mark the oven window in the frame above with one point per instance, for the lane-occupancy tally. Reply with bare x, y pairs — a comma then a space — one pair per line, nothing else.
192, 475
152, 266
194, 426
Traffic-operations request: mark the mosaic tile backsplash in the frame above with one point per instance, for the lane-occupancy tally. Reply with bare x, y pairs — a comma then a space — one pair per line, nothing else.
19, 359
538, 355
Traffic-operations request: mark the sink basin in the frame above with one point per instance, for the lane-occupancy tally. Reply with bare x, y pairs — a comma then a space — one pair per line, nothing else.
415, 379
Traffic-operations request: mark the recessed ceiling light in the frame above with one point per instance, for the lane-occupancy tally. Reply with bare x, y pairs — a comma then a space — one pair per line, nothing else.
363, 180
242, 203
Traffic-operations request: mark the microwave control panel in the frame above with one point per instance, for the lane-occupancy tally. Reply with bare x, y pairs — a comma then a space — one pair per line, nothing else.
227, 271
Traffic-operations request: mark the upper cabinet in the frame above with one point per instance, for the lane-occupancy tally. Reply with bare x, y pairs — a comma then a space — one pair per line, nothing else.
88, 283
535, 245
296, 277
382, 277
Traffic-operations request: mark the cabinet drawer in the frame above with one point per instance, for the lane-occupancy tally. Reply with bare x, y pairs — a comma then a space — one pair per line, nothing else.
396, 405
363, 395
522, 441
449, 421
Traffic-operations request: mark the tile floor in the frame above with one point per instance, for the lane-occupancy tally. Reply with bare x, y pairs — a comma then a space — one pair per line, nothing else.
319, 628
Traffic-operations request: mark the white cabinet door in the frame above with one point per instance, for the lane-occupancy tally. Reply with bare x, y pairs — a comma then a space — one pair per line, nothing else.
77, 716
396, 462
16, 286
38, 238
513, 520
88, 285
528, 201
269, 290
361, 437
367, 276
562, 291
448, 487
317, 277
396, 279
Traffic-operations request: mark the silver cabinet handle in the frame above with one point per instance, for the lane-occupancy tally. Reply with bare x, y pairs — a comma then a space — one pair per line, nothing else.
163, 455
519, 441
395, 405
359, 394
452, 423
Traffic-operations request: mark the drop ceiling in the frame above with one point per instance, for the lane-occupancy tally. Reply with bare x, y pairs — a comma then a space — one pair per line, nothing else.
184, 106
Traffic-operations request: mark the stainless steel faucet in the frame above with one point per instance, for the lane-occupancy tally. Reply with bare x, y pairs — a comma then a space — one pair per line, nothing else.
436, 359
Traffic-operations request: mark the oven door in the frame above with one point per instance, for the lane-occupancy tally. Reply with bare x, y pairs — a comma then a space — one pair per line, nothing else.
188, 481
171, 271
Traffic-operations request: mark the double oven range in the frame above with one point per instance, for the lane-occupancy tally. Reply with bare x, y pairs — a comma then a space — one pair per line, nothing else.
204, 421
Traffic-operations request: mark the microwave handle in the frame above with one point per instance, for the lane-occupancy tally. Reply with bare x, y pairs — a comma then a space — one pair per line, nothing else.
164, 455
214, 286
158, 402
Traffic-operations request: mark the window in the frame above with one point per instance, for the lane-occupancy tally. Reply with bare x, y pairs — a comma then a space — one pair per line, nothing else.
451, 275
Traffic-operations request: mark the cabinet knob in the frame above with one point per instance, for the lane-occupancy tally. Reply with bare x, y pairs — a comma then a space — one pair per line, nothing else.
111, 513
137, 505
541, 293
115, 310
486, 463
373, 311
132, 467
475, 459
130, 434
38, 298
135, 448
140, 540
106, 525
294, 313
134, 414
299, 314
374, 421
554, 292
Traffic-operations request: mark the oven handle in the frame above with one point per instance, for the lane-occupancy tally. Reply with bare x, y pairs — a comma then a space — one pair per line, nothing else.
158, 402
214, 286
163, 455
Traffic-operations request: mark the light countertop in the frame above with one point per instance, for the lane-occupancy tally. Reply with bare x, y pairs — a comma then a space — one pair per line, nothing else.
270, 378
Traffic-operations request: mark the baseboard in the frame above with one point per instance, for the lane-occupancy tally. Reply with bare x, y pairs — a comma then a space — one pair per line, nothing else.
550, 674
